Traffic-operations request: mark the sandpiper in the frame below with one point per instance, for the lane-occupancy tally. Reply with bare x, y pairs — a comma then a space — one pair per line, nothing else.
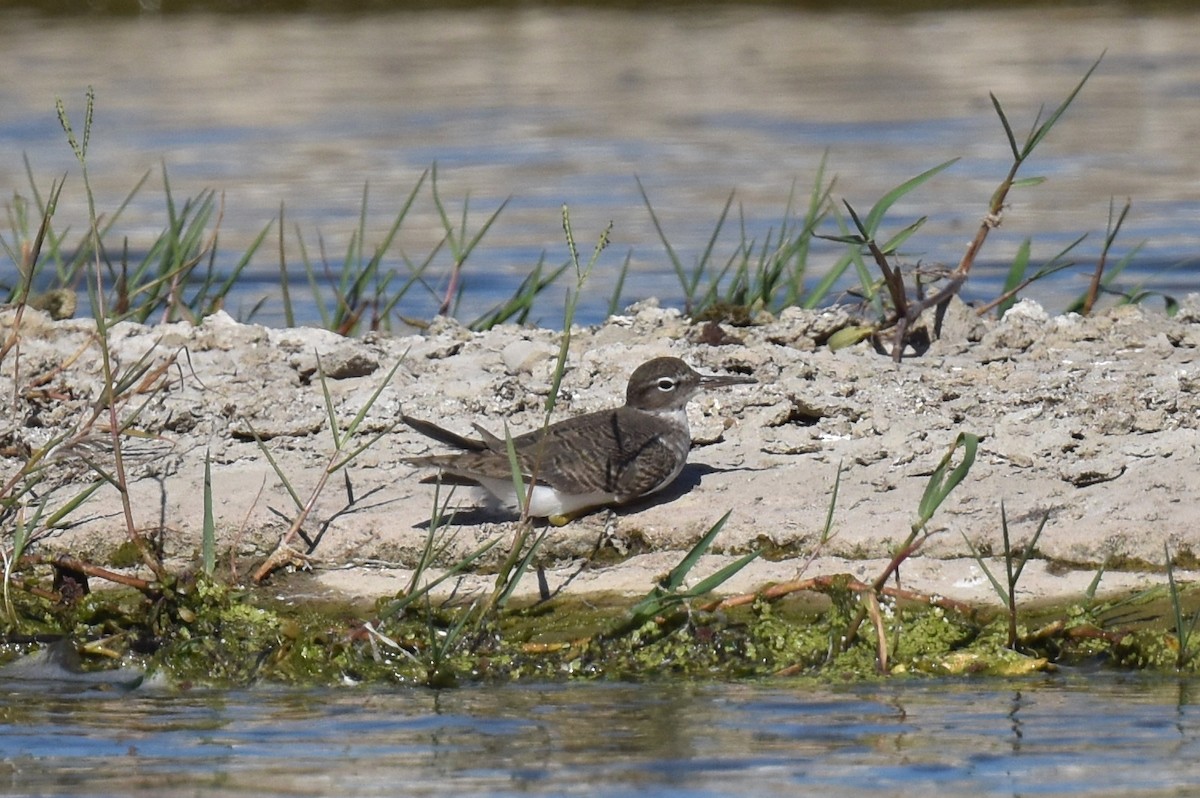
578, 464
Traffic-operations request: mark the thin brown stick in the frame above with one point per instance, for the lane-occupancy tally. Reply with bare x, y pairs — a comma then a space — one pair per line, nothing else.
152, 562
237, 538
983, 310
824, 584
881, 645
48, 376
284, 553
71, 563
34, 590
451, 288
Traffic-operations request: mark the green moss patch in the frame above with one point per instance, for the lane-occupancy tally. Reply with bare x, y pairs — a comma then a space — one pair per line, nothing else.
205, 633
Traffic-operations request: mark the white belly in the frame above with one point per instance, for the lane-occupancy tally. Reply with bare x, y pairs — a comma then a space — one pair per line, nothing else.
545, 501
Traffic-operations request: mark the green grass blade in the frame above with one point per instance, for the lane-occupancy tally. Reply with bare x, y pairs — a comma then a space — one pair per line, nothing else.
1016, 275
330, 412
706, 255
1094, 585
614, 302
1176, 607
711, 583
289, 314
895, 242
101, 472
355, 422
262, 446
676, 263
679, 573
1028, 182
1027, 552
514, 464
827, 529
824, 286
1042, 130
940, 484
218, 299
208, 546
73, 504
1008, 131
875, 216
519, 570
978, 557
487, 225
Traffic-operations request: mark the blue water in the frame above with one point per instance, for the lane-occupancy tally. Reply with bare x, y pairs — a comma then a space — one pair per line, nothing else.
545, 107
1097, 734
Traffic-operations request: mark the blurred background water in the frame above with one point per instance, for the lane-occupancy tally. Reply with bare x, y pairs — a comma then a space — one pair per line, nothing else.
565, 104
1082, 734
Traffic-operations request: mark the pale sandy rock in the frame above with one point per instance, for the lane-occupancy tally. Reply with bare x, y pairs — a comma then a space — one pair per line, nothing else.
522, 356
1095, 421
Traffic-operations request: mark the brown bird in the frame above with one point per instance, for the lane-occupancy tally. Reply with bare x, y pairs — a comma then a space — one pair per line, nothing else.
608, 457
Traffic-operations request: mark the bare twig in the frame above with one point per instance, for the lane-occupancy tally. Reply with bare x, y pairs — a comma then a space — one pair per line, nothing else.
1098, 275
824, 584
70, 563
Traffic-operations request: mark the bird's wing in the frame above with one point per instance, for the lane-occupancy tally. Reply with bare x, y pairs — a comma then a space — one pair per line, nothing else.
629, 457
655, 462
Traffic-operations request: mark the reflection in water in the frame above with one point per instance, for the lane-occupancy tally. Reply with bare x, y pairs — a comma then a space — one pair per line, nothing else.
553, 106
1099, 734
1015, 716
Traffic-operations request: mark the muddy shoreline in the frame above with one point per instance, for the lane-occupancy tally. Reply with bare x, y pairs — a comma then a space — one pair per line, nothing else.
1093, 421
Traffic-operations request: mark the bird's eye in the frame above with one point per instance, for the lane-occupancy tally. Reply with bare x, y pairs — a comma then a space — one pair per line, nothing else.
666, 384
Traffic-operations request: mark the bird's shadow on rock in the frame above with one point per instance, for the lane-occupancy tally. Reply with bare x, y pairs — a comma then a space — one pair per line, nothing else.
687, 481
470, 516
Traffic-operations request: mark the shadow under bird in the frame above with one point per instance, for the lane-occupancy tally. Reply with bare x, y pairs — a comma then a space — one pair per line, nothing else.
608, 457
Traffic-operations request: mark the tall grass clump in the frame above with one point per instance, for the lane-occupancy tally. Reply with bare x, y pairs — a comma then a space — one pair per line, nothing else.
364, 289
1014, 563
1185, 624
757, 275
176, 278
520, 555
112, 387
182, 274
381, 280
91, 444
345, 449
895, 303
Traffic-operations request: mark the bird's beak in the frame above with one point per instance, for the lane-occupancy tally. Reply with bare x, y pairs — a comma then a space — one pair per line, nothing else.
720, 380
